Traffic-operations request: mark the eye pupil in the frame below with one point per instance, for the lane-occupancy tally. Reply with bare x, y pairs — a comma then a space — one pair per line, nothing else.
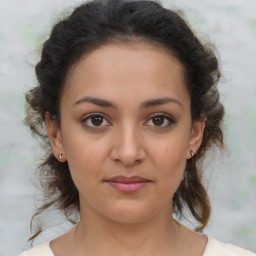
158, 120
97, 120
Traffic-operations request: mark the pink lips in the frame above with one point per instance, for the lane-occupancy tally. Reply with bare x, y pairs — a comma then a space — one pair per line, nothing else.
127, 184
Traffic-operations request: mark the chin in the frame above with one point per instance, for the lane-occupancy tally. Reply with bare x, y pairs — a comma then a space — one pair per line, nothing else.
129, 213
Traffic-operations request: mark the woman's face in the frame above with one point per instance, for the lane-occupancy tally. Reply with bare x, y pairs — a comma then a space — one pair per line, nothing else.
125, 111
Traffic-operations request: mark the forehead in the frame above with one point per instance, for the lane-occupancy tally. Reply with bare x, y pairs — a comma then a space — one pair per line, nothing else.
140, 66
129, 56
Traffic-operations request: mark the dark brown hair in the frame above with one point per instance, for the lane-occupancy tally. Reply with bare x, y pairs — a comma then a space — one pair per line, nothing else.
99, 22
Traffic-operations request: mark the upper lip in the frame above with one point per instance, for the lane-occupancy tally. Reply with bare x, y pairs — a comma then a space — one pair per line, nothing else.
123, 179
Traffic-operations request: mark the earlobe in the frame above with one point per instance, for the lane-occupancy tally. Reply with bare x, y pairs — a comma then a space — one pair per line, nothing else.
196, 138
55, 137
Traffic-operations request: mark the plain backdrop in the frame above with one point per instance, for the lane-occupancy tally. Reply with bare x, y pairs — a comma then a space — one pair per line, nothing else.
231, 179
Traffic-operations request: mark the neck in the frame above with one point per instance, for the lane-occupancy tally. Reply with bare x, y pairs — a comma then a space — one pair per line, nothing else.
156, 236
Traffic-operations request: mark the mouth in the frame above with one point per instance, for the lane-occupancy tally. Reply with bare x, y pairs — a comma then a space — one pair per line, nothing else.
127, 185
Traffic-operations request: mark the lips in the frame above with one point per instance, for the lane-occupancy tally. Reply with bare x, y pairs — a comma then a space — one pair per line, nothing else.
124, 179
127, 184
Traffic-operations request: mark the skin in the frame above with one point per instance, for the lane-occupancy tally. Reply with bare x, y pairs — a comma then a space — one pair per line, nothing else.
128, 142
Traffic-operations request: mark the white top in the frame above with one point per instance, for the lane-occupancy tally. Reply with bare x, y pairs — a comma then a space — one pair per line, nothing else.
213, 248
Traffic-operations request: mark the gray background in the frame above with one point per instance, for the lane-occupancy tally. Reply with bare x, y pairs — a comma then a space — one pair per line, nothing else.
231, 179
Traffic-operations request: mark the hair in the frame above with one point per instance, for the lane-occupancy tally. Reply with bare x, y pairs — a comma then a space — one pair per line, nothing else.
94, 24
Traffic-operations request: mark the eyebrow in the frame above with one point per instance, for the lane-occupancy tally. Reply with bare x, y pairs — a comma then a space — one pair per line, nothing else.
96, 101
145, 104
160, 101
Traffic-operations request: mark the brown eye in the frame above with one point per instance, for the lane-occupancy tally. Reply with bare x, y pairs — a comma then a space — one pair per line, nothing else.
158, 120
95, 121
161, 121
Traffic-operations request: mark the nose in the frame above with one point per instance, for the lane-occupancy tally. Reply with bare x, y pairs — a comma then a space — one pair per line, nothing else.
128, 147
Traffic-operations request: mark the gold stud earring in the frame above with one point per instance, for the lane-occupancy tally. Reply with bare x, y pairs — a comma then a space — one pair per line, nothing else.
192, 153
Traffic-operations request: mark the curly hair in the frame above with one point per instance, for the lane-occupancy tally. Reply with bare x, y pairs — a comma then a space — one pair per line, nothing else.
99, 22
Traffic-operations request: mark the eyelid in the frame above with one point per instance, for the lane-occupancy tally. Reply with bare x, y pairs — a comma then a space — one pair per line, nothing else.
93, 114
165, 115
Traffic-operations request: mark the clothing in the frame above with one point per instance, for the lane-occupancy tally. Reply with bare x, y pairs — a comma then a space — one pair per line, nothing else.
217, 248
40, 250
213, 248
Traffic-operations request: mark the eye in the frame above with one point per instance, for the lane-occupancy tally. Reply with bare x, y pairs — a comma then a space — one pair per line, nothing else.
161, 120
95, 120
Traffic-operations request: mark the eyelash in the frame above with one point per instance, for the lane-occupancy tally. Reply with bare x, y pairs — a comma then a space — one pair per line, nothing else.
89, 117
170, 120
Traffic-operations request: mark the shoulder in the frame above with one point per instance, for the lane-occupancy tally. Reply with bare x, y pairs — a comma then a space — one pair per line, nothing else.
216, 248
40, 250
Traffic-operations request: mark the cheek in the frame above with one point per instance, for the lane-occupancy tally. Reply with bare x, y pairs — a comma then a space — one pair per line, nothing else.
170, 160
85, 157
171, 151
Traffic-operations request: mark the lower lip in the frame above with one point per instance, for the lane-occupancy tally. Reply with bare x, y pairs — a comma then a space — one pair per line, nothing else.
128, 187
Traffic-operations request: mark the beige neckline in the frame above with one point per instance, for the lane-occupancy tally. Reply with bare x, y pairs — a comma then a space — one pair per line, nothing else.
207, 248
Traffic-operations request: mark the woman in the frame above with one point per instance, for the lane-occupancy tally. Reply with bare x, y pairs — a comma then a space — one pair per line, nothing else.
128, 106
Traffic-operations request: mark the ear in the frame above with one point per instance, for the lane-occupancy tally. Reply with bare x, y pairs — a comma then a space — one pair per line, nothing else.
55, 137
196, 136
